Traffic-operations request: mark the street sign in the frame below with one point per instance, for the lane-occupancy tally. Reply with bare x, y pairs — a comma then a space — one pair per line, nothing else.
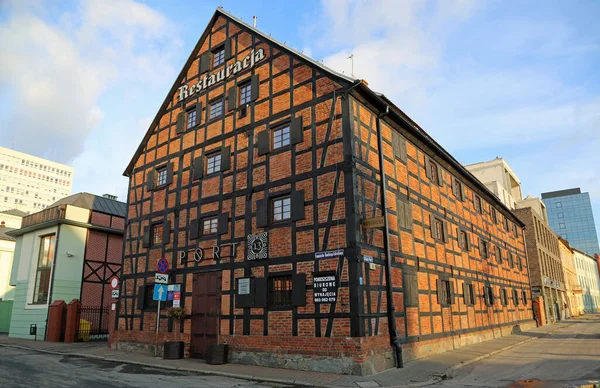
115, 294
177, 296
163, 266
169, 295
244, 286
329, 254
174, 287
373, 222
176, 303
161, 278
160, 292
368, 259
114, 282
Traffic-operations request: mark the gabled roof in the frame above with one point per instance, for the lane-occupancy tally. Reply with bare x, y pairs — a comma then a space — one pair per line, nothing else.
220, 12
4, 236
15, 212
95, 203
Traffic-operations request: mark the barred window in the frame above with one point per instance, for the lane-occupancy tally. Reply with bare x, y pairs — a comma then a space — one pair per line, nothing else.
245, 93
280, 291
446, 293
157, 232
161, 176
433, 174
463, 240
281, 137
216, 109
282, 209
210, 226
457, 188
213, 163
191, 121
218, 56
478, 204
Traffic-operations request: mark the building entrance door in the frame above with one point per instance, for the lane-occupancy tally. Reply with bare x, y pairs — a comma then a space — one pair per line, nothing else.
206, 310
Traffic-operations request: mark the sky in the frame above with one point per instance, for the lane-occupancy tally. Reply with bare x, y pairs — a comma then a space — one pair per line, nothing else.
80, 81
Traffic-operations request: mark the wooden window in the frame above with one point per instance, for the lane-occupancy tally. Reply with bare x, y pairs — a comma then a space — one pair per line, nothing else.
399, 146
245, 93
280, 291
457, 189
524, 296
515, 297
44, 269
488, 295
191, 118
213, 163
282, 209
503, 297
216, 109
498, 254
404, 211
515, 230
511, 260
439, 229
506, 224
218, 56
519, 263
281, 137
210, 226
161, 176
445, 292
410, 288
433, 171
157, 234
483, 247
477, 202
494, 216
463, 240
149, 302
469, 294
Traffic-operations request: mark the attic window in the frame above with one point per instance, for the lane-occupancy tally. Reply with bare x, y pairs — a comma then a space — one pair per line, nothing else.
219, 56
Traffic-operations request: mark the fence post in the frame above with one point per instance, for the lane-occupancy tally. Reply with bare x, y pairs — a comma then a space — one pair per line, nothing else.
72, 320
55, 320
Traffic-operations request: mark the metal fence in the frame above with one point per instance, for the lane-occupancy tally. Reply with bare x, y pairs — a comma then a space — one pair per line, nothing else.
93, 324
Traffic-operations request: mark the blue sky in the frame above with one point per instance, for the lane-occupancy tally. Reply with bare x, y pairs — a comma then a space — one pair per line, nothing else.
519, 80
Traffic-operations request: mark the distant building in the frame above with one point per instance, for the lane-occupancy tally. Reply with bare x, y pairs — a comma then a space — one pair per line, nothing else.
570, 216
31, 184
573, 289
545, 265
9, 220
589, 279
68, 251
500, 179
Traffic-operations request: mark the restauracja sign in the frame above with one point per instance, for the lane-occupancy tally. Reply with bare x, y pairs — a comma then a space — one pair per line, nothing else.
207, 81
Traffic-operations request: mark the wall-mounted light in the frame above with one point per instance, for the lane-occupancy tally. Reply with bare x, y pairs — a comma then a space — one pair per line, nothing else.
69, 254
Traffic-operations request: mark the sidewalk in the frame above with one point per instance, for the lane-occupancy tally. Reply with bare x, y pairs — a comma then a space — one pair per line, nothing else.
417, 373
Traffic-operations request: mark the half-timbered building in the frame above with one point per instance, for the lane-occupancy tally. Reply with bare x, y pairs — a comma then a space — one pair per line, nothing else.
260, 182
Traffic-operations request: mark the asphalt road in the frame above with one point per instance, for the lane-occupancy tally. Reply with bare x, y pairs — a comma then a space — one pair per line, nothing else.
568, 357
24, 368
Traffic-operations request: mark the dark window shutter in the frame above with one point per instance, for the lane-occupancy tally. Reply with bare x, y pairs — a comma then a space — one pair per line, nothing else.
254, 88
180, 122
260, 292
227, 49
198, 113
223, 223
440, 293
140, 298
427, 167
411, 289
264, 140
204, 62
262, 213
246, 300
146, 237
231, 98
466, 296
432, 226
440, 180
225, 158
452, 293
194, 229
169, 173
464, 193
299, 289
403, 153
150, 180
446, 232
166, 238
296, 131
297, 200
396, 143
198, 167
400, 209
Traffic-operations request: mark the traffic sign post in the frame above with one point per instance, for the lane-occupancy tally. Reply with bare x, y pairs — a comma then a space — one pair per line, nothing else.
160, 294
163, 266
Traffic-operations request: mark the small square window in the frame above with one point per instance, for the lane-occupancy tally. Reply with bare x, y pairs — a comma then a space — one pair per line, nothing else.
561, 215
218, 56
282, 209
558, 204
213, 163
216, 109
280, 291
210, 226
191, 118
245, 93
161, 176
281, 137
562, 225
157, 232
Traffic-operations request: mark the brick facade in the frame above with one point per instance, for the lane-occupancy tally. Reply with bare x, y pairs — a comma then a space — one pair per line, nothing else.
330, 173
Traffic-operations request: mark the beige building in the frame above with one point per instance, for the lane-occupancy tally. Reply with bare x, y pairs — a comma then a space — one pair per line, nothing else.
573, 290
500, 179
589, 279
9, 220
31, 184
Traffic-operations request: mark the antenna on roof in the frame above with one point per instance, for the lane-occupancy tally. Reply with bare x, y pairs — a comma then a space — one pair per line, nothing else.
351, 57
254, 21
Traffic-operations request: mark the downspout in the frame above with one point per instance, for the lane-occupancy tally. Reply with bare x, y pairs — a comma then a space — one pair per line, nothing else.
529, 277
391, 309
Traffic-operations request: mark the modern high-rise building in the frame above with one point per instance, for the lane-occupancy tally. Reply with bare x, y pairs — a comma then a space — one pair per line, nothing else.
31, 184
570, 216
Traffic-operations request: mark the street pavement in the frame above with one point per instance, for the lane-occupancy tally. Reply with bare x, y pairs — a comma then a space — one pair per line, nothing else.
569, 356
26, 368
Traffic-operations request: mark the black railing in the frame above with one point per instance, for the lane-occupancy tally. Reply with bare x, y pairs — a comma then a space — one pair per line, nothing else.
93, 324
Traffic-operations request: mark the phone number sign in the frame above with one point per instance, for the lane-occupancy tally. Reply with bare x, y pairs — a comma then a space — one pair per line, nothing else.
325, 288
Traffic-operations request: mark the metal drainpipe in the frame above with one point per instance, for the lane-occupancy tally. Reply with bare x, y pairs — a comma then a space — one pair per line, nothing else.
388, 262
529, 276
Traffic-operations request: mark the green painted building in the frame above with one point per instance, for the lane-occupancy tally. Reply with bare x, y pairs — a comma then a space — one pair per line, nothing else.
68, 251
